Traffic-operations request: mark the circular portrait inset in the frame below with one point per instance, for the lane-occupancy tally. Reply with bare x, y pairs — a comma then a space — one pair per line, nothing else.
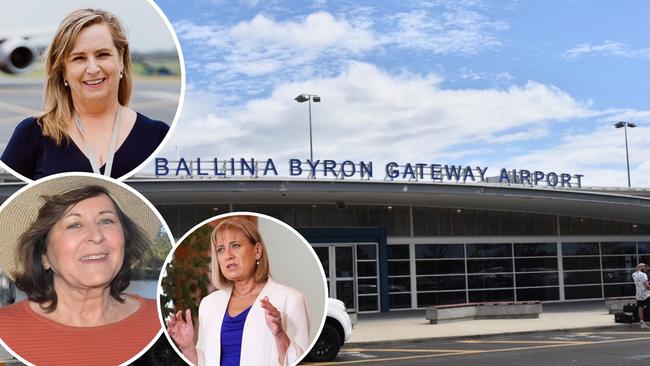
93, 86
81, 252
243, 289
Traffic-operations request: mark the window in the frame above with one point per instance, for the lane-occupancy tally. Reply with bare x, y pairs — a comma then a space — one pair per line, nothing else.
439, 251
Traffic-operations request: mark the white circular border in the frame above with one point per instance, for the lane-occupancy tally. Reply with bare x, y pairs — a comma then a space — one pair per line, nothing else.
132, 190
172, 126
258, 215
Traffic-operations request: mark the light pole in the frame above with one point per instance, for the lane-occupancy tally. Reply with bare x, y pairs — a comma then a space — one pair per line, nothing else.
625, 125
308, 98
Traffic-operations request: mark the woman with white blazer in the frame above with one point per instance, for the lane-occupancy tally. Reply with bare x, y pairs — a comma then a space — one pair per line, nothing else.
251, 320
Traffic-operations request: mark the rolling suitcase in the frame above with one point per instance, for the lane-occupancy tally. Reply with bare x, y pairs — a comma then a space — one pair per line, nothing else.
624, 317
632, 308
629, 308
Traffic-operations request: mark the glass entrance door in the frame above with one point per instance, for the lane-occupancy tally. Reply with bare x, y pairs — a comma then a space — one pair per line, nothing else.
344, 280
342, 264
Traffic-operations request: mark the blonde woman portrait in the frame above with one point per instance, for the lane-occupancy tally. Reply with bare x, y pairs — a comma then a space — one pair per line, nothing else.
252, 318
85, 124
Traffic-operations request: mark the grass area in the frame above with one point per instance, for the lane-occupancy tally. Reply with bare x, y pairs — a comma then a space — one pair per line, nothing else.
162, 68
153, 69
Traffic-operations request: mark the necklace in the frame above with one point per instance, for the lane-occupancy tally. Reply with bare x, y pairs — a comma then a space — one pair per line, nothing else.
246, 294
94, 163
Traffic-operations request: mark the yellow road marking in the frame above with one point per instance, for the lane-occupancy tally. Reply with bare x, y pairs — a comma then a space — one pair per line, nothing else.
405, 350
639, 332
392, 358
479, 352
523, 342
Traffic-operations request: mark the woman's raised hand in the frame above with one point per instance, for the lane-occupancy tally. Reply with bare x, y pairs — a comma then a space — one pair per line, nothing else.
272, 316
273, 319
182, 331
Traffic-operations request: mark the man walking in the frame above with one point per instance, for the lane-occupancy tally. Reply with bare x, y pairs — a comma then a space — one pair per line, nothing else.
642, 291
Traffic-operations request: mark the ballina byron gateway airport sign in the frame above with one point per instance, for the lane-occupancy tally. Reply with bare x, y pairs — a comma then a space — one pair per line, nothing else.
364, 170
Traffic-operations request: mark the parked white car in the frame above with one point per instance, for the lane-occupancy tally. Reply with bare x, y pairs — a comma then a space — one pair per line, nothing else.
336, 331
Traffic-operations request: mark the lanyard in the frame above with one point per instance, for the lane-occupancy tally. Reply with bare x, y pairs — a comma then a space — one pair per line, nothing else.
111, 149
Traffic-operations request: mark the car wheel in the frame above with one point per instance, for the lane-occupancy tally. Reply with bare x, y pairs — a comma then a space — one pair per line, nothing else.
327, 346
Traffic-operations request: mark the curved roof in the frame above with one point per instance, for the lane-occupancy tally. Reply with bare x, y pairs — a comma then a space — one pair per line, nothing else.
581, 203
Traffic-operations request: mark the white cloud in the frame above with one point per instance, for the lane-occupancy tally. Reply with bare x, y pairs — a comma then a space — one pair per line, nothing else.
368, 114
468, 74
317, 31
614, 115
248, 73
251, 57
208, 34
598, 154
371, 115
250, 3
607, 48
266, 50
527, 135
454, 30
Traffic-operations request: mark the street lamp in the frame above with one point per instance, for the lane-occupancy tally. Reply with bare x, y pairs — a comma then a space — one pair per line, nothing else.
308, 98
625, 125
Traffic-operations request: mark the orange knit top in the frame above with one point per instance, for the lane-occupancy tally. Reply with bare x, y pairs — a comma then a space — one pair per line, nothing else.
42, 341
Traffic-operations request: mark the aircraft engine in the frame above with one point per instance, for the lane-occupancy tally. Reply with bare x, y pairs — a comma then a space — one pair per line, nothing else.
17, 55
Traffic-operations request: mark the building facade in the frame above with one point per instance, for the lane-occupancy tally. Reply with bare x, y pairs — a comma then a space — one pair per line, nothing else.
388, 246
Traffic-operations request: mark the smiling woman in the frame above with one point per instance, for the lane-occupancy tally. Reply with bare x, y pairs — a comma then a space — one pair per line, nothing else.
86, 124
72, 246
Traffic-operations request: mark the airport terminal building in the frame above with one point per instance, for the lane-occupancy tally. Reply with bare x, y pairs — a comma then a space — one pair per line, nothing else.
388, 245
415, 235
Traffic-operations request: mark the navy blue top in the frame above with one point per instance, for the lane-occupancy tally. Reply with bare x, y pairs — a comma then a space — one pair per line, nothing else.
232, 330
35, 156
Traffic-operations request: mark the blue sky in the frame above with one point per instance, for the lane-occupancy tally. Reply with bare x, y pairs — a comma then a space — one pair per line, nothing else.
506, 84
